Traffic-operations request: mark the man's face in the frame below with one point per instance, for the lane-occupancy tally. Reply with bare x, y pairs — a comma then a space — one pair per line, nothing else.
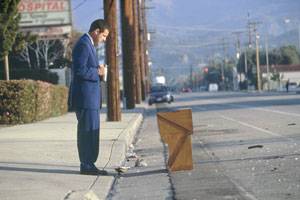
100, 36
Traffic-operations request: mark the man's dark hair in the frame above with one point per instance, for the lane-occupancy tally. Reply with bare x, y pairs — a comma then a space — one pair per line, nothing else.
99, 24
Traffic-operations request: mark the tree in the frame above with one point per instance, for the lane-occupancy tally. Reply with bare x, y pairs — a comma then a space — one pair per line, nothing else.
9, 25
22, 46
290, 55
46, 50
50, 50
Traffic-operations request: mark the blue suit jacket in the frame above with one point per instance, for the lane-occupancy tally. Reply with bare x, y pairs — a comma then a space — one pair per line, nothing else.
85, 89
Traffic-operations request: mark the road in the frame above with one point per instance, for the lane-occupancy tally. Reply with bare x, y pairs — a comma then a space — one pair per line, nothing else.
245, 146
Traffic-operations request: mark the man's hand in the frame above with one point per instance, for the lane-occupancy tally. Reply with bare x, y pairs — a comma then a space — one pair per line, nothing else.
101, 71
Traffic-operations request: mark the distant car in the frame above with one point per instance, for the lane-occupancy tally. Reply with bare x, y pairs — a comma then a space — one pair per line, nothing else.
160, 93
186, 89
293, 86
213, 87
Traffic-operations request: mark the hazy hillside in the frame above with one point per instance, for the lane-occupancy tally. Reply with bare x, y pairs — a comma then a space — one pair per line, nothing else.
189, 32
221, 13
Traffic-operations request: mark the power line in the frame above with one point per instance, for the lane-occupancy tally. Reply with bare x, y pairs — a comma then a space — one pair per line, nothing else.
79, 5
192, 45
198, 28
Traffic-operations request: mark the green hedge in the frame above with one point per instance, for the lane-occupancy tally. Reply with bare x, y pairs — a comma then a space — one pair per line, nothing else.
24, 101
34, 74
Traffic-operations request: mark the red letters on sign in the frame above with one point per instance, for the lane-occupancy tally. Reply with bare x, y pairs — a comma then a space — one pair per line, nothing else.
42, 6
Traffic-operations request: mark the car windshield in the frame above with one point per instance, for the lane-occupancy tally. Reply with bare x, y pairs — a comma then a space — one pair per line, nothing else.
159, 89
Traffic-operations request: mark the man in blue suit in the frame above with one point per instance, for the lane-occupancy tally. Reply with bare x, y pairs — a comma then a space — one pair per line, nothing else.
85, 95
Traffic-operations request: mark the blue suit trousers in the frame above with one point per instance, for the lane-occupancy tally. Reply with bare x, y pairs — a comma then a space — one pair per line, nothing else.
88, 135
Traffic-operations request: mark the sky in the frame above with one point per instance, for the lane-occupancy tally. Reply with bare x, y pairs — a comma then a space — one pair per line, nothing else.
203, 13
84, 12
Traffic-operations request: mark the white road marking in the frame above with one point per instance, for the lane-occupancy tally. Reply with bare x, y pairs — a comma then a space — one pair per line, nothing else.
267, 110
244, 192
256, 128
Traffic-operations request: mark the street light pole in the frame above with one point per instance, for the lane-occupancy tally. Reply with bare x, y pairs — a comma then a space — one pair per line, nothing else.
257, 61
267, 59
246, 67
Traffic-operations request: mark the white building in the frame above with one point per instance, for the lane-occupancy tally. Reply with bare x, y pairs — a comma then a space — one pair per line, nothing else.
286, 72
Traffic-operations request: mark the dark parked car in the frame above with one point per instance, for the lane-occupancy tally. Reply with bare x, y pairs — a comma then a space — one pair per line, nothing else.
160, 93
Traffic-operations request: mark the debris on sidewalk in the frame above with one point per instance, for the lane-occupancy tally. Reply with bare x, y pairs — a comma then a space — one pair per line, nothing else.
122, 169
131, 155
292, 124
131, 147
140, 163
256, 146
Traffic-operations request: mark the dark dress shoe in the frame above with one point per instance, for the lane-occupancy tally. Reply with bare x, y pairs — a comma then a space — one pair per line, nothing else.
91, 169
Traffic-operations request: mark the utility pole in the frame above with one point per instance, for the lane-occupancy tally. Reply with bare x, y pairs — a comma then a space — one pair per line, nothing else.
136, 52
222, 66
249, 31
238, 43
142, 49
145, 42
238, 50
253, 25
257, 56
113, 86
127, 47
267, 59
246, 66
191, 76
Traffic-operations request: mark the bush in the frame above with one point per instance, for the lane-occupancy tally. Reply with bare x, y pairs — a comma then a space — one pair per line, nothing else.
43, 100
59, 100
24, 101
41, 74
17, 103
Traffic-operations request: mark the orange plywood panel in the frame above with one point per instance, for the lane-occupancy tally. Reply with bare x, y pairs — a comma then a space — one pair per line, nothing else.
175, 129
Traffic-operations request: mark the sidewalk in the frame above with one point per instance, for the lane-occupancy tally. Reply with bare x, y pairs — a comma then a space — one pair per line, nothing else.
40, 160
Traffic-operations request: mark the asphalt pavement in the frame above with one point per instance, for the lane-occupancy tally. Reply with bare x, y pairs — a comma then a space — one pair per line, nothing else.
245, 146
40, 160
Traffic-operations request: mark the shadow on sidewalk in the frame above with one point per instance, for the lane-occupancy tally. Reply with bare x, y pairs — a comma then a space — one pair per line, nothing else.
145, 173
37, 170
76, 172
